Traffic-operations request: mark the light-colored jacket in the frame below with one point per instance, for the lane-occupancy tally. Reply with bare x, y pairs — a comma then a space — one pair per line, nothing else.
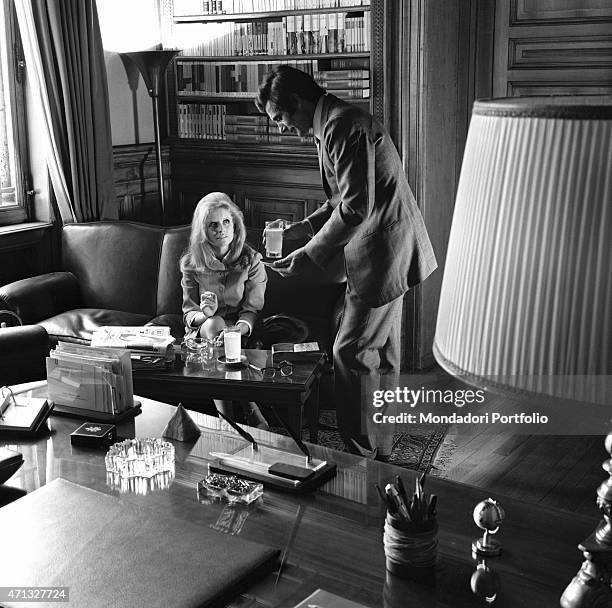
240, 291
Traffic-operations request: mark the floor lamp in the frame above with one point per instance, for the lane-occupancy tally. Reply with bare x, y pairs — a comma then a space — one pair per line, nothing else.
527, 288
152, 66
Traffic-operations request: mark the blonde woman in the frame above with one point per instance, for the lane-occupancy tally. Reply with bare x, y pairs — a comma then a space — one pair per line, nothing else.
223, 278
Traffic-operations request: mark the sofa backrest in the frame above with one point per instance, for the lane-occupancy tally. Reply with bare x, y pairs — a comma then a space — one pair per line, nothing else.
117, 265
134, 267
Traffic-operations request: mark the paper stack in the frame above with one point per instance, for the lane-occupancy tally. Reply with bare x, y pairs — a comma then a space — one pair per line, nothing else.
87, 380
149, 345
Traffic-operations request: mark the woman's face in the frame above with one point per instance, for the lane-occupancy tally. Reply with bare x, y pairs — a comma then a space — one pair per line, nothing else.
220, 230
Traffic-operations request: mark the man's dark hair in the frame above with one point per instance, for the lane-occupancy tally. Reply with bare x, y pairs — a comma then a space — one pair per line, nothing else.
281, 83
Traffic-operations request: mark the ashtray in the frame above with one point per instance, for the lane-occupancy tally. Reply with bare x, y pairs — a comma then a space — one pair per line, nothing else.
241, 363
229, 488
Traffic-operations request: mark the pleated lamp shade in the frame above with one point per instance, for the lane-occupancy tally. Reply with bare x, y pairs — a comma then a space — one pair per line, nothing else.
526, 300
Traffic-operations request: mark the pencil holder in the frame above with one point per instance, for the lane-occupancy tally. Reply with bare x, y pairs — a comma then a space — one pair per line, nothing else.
410, 549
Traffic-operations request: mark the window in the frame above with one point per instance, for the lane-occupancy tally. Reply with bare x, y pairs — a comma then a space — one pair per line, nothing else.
13, 152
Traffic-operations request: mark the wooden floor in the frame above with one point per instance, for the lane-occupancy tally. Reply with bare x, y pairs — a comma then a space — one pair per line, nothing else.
557, 471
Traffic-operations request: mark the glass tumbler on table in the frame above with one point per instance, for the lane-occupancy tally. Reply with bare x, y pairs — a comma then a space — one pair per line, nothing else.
231, 342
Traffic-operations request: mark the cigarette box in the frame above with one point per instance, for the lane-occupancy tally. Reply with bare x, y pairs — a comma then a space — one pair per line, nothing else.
94, 435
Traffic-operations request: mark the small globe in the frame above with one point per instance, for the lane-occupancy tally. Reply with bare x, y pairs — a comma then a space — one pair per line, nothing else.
488, 515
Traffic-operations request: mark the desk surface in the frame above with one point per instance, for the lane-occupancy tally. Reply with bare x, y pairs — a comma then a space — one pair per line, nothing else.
338, 543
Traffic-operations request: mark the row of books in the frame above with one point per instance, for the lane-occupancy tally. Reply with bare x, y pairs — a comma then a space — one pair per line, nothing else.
234, 7
292, 35
206, 78
211, 122
236, 79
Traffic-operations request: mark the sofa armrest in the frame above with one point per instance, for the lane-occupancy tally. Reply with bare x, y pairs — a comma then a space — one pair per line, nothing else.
23, 351
37, 298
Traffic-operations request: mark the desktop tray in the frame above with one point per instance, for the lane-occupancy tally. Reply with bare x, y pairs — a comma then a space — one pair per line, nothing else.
95, 416
279, 483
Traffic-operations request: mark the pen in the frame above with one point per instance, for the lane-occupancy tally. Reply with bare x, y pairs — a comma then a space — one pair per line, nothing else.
401, 489
391, 490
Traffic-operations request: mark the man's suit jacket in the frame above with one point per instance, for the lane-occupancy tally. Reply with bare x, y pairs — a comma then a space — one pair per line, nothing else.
371, 212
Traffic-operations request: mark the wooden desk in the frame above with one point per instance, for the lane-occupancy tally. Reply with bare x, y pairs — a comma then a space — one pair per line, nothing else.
338, 545
193, 383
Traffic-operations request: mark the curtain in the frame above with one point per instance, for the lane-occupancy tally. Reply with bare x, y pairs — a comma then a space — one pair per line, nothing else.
65, 61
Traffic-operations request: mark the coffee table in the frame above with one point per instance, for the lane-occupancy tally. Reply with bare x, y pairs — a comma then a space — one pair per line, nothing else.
334, 536
193, 384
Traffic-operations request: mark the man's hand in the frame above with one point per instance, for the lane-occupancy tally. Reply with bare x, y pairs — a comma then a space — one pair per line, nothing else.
296, 262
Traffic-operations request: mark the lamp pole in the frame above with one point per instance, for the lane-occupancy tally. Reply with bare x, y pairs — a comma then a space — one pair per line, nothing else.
152, 66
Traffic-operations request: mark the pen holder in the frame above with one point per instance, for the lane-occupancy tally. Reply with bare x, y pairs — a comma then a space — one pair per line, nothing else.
410, 549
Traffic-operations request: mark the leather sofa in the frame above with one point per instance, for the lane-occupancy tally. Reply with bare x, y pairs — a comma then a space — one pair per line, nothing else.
126, 273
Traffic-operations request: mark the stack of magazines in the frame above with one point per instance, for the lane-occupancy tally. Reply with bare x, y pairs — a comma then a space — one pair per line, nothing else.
150, 346
90, 381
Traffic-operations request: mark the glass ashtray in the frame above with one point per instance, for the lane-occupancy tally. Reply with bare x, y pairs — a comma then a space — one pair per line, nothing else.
229, 488
140, 457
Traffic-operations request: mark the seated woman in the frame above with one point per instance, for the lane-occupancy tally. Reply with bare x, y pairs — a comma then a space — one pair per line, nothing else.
223, 279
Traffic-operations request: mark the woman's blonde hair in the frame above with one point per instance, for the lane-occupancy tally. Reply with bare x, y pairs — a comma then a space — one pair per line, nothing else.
200, 252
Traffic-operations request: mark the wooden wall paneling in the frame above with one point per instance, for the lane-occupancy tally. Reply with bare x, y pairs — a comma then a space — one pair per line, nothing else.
259, 210
136, 186
27, 252
549, 11
551, 48
290, 184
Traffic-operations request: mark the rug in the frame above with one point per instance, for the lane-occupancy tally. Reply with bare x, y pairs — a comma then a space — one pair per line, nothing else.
420, 448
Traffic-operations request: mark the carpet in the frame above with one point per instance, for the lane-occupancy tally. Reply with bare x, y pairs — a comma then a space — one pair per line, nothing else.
422, 448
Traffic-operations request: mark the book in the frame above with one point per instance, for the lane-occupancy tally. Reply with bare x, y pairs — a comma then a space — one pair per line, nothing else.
109, 551
352, 93
325, 75
22, 413
303, 351
345, 83
140, 340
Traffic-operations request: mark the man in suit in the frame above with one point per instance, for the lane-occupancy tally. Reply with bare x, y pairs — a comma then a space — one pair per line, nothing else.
371, 215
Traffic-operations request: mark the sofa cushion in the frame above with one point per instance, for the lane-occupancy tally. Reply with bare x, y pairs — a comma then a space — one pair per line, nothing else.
79, 324
169, 292
116, 264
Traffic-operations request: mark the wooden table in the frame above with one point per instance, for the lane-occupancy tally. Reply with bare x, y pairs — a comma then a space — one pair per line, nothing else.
194, 384
338, 542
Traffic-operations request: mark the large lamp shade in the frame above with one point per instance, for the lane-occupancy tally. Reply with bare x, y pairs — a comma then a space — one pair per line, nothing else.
526, 300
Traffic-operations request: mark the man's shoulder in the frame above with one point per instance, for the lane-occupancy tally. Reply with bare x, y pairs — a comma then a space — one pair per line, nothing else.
345, 117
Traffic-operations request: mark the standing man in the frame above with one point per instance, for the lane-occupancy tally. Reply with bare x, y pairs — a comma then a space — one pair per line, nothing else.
371, 215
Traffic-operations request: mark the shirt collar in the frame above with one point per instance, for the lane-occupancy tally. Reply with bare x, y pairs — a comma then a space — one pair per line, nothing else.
317, 126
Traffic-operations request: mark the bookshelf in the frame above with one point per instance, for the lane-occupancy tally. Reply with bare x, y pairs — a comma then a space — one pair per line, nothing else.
218, 139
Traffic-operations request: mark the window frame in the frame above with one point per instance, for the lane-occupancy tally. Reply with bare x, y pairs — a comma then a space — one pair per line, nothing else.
20, 211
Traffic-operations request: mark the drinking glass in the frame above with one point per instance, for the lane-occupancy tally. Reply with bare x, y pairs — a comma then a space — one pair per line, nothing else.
274, 239
231, 342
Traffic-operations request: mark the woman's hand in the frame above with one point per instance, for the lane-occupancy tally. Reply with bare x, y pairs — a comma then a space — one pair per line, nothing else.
209, 303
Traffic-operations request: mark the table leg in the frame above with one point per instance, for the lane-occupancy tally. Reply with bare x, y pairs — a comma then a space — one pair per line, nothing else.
311, 409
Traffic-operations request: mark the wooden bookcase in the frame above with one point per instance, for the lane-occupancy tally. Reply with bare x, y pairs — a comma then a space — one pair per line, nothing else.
212, 83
